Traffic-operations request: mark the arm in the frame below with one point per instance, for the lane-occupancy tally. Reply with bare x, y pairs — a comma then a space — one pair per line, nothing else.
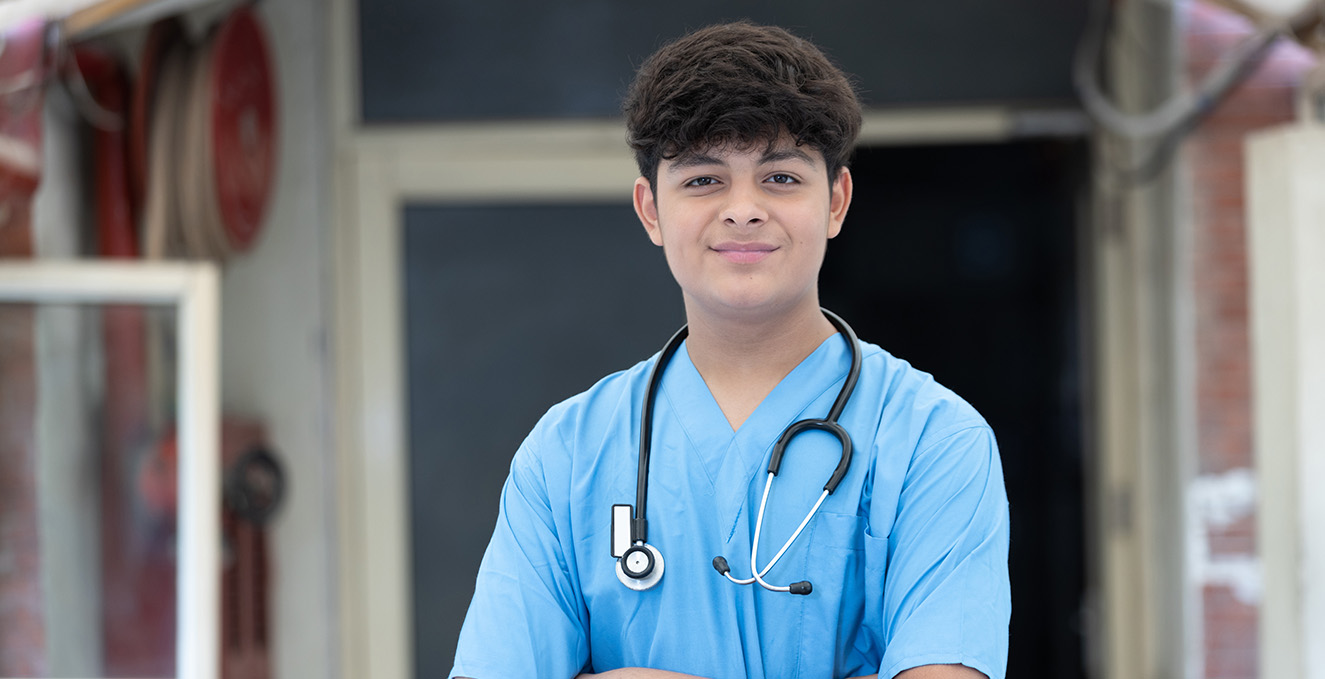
527, 617
946, 595
645, 673
638, 673
942, 672
925, 672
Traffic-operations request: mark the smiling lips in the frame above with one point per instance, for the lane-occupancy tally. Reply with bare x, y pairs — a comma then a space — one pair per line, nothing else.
743, 253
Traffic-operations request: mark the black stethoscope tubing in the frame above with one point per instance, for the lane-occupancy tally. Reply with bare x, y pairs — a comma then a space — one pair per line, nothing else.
639, 527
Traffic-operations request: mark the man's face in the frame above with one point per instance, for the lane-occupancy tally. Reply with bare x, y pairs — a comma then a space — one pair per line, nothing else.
744, 231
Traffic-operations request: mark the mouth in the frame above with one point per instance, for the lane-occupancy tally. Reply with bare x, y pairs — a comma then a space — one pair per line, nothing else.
743, 253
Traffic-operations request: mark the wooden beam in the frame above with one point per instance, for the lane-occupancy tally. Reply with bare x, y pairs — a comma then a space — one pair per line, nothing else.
83, 21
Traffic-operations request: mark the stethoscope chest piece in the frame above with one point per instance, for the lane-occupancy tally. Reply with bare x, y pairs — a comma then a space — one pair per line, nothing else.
640, 568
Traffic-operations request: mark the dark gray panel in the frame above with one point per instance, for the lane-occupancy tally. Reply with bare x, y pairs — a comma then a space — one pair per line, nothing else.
435, 61
962, 260
509, 309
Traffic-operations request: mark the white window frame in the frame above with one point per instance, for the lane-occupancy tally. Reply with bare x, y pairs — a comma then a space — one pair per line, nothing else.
192, 289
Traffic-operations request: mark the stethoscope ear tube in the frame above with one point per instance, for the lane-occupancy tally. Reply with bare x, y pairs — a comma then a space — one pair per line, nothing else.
639, 527
853, 375
828, 424
822, 425
641, 566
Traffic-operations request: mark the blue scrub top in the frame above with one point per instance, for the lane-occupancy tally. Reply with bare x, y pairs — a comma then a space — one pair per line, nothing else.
908, 557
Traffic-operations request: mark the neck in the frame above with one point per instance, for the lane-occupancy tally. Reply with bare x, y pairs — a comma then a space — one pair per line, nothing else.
743, 359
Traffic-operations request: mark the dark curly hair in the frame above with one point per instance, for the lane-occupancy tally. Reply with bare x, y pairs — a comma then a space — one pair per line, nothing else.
738, 85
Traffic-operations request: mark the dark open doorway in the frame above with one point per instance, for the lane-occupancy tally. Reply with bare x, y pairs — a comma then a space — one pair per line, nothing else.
963, 261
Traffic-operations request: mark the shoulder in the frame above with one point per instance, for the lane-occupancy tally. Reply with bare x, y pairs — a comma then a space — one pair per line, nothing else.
910, 401
594, 413
611, 397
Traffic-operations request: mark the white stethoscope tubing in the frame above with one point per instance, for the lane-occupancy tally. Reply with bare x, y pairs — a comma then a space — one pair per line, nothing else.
757, 573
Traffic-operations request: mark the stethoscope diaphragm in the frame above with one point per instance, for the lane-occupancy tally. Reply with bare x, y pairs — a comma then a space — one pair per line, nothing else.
640, 568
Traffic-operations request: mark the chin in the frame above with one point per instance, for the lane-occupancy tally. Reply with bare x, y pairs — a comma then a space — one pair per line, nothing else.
751, 305
744, 301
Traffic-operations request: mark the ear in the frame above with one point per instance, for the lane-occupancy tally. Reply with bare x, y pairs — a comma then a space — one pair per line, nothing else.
838, 201
646, 206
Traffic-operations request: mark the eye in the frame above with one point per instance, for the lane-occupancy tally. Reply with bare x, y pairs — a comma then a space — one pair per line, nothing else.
702, 181
781, 178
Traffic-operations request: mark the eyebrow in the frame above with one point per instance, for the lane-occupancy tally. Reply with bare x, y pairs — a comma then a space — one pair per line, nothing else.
785, 154
690, 160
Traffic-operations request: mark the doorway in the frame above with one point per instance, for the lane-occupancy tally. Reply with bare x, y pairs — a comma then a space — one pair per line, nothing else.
963, 261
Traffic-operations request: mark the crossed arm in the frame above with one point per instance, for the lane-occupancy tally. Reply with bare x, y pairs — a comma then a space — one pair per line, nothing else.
924, 672
944, 475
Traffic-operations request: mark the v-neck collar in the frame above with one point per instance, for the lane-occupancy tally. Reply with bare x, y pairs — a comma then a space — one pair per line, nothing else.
731, 458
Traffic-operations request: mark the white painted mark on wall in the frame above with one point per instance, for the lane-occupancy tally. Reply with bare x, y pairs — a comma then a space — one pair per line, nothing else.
1215, 502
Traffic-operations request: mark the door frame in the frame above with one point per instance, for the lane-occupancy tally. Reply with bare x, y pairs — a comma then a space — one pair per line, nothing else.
379, 169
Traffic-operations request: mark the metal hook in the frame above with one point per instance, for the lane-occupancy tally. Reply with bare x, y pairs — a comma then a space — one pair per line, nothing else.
74, 84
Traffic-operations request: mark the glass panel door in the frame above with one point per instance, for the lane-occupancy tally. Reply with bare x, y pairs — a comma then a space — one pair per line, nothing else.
109, 526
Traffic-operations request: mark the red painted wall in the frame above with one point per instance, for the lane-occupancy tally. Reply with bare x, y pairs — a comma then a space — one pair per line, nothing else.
22, 622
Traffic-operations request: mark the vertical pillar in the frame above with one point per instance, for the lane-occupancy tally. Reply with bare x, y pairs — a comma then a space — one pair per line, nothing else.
1286, 239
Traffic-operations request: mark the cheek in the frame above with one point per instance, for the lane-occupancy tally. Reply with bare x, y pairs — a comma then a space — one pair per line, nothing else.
675, 262
816, 233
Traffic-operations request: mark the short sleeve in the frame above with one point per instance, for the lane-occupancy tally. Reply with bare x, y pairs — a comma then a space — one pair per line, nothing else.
526, 618
947, 598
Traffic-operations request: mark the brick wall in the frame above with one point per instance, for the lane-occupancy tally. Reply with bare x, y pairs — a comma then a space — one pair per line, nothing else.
22, 623
22, 619
1214, 161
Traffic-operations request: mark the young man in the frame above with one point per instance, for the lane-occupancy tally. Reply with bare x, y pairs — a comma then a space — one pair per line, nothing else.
742, 134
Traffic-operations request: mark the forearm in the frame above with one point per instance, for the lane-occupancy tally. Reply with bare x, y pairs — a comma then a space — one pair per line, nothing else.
646, 673
942, 672
638, 673
925, 672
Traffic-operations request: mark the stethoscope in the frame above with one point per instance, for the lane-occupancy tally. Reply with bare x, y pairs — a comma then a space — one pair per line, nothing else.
639, 564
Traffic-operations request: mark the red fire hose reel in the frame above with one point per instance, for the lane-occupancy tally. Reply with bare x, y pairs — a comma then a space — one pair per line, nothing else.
203, 138
243, 114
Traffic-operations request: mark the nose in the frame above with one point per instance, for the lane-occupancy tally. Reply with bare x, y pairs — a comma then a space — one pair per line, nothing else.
744, 206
